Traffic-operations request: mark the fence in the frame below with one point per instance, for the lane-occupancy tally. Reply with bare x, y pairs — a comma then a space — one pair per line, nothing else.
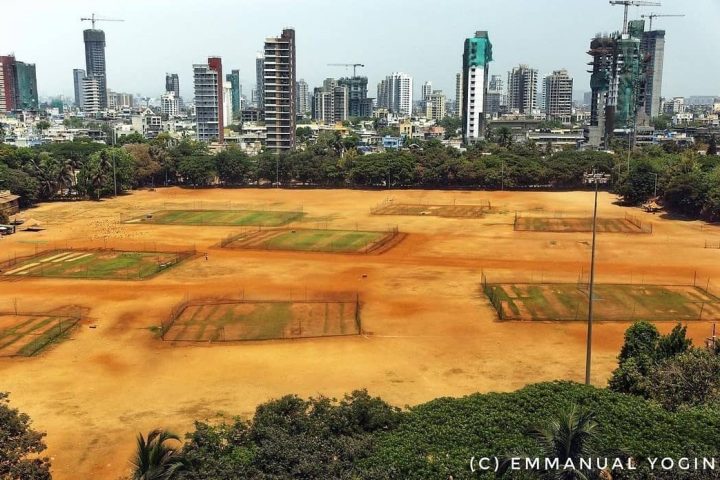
564, 222
234, 320
454, 210
177, 256
139, 213
27, 334
334, 242
563, 300
712, 244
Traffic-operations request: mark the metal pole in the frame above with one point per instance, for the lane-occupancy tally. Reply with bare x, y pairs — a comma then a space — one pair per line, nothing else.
114, 176
588, 358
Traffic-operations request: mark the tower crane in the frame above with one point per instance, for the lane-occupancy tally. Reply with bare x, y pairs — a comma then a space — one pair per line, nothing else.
655, 15
634, 3
94, 19
354, 65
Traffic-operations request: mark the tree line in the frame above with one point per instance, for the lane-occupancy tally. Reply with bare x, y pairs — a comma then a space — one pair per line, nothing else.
685, 182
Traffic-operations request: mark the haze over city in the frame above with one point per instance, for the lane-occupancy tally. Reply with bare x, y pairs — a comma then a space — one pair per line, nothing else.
421, 38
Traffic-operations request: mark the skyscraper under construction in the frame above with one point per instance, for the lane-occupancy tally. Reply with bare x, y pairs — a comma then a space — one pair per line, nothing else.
625, 82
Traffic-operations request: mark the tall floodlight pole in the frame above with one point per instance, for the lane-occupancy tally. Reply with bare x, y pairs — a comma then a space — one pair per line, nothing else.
597, 179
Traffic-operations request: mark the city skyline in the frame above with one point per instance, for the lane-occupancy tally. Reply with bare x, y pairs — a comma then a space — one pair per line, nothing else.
514, 26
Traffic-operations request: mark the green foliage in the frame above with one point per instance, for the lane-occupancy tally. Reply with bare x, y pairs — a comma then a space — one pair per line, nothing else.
154, 458
689, 379
133, 137
290, 437
20, 446
303, 134
197, 170
712, 146
234, 167
437, 439
74, 122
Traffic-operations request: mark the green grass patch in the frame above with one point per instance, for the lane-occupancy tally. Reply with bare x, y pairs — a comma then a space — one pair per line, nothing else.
222, 217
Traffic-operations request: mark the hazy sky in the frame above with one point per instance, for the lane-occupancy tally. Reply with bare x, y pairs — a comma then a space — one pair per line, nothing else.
423, 38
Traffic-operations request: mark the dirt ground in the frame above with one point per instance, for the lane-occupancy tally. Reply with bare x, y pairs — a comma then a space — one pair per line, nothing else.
430, 330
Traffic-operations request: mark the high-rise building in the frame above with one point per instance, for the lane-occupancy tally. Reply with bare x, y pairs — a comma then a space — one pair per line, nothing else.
91, 95
425, 90
172, 84
209, 111
95, 61
259, 79
652, 47
78, 75
617, 82
331, 102
359, 103
495, 100
395, 93
458, 94
26, 95
303, 97
279, 94
236, 89
8, 84
169, 104
435, 105
522, 90
477, 54
227, 103
119, 101
557, 89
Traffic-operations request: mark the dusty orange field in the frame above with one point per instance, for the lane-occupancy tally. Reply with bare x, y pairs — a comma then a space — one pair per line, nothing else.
430, 330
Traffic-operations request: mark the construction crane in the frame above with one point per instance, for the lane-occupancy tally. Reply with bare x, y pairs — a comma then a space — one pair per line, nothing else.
655, 15
354, 65
634, 3
94, 19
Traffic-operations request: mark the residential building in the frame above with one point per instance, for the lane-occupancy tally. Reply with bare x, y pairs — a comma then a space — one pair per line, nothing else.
426, 90
120, 101
557, 89
652, 48
395, 94
209, 111
522, 90
227, 103
26, 95
435, 105
172, 84
495, 100
674, 106
303, 98
259, 80
236, 92
78, 75
359, 105
458, 94
8, 84
477, 54
279, 94
95, 61
91, 95
331, 102
169, 104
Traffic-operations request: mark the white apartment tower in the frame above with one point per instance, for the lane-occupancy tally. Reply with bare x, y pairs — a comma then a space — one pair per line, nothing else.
557, 94
395, 93
209, 111
477, 55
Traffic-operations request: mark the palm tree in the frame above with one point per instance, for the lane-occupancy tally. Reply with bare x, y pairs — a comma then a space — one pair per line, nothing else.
66, 175
567, 438
154, 460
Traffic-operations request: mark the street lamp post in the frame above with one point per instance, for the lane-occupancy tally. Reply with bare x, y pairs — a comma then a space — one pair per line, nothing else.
597, 179
655, 189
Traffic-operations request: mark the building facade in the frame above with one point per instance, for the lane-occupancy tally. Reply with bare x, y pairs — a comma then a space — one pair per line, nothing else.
522, 90
303, 98
458, 94
279, 91
236, 93
78, 75
652, 48
557, 88
259, 79
8, 84
396, 94
91, 103
477, 55
359, 105
435, 107
169, 104
26, 94
95, 61
331, 102
496, 100
209, 110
